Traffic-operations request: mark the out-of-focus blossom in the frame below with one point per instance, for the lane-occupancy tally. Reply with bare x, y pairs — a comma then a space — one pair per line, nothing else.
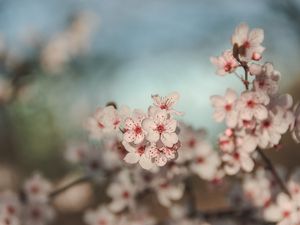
37, 188
206, 161
167, 192
100, 216
225, 108
122, 191
225, 63
249, 43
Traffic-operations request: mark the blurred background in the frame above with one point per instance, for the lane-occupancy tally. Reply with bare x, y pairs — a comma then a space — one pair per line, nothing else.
60, 59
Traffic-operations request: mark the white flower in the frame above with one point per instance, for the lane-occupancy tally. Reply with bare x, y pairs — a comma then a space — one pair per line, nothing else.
161, 154
161, 127
38, 214
225, 107
133, 128
9, 204
93, 163
137, 153
225, 63
100, 216
122, 192
249, 43
76, 152
284, 211
106, 120
253, 104
266, 78
237, 160
257, 189
168, 192
37, 188
6, 219
166, 103
206, 161
190, 139
270, 130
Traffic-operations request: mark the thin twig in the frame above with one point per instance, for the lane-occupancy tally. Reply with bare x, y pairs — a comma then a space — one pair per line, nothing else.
66, 187
271, 168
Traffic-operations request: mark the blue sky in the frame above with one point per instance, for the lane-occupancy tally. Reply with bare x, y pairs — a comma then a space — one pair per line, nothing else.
162, 45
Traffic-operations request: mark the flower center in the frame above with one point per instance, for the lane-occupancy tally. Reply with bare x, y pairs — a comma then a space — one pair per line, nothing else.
200, 160
228, 67
141, 150
34, 189
160, 128
192, 143
125, 194
236, 156
137, 130
164, 106
102, 222
228, 107
266, 124
250, 104
286, 214
246, 44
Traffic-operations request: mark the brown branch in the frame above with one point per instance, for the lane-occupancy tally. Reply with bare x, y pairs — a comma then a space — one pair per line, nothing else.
271, 168
68, 186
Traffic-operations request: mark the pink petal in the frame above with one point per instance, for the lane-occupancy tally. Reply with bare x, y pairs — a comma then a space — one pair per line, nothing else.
169, 139
129, 124
132, 158
160, 160
170, 126
129, 136
146, 162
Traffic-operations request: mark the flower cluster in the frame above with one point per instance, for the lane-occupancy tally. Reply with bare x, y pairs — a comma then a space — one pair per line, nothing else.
32, 208
257, 117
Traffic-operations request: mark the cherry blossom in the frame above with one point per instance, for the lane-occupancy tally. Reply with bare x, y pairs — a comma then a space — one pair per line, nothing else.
161, 127
105, 121
285, 211
253, 104
225, 63
237, 160
10, 204
38, 214
161, 154
9, 220
257, 189
138, 153
205, 162
37, 188
168, 192
133, 128
266, 78
166, 103
100, 216
225, 107
271, 129
190, 139
122, 192
76, 152
249, 43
